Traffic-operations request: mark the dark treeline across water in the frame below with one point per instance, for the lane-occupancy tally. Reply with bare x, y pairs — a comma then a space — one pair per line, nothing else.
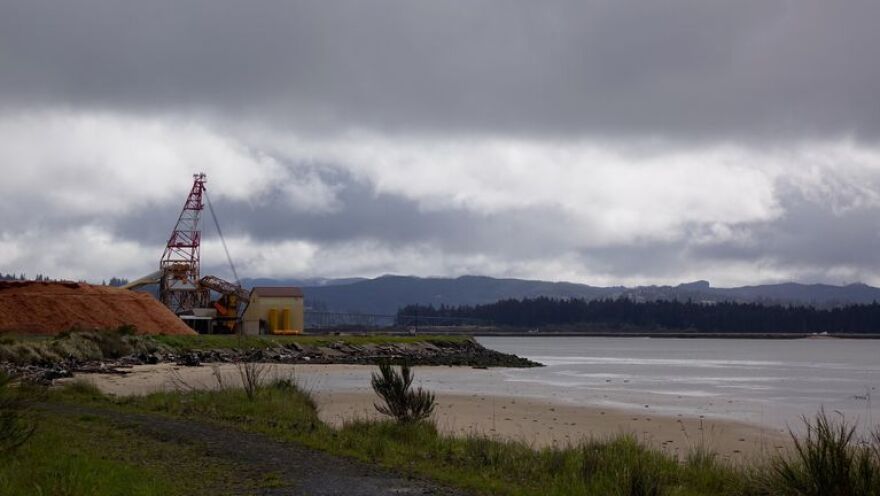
727, 317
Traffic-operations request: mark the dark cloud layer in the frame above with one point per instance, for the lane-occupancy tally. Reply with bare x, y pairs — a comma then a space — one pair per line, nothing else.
751, 69
808, 234
365, 215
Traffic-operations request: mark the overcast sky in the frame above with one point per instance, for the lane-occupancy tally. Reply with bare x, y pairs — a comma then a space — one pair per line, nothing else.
604, 142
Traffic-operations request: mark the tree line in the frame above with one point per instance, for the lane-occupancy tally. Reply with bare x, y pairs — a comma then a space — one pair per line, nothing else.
23, 277
114, 281
622, 313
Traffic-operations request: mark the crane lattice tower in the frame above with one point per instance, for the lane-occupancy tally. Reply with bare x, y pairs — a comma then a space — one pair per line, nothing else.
178, 288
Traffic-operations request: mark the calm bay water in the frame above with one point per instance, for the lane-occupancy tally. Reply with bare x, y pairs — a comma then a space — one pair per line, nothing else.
766, 382
771, 382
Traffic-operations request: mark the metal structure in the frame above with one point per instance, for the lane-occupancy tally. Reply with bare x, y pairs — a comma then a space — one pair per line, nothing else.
315, 319
228, 305
224, 287
329, 320
179, 287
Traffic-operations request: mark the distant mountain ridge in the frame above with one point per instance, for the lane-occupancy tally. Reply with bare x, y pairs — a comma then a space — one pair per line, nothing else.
385, 294
309, 282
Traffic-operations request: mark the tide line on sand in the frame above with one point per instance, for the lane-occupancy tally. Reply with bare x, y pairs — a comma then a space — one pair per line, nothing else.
539, 422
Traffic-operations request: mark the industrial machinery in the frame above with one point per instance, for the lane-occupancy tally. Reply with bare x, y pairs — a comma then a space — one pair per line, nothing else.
181, 287
227, 305
178, 284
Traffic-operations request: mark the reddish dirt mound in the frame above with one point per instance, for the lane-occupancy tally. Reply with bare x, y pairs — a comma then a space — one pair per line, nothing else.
52, 307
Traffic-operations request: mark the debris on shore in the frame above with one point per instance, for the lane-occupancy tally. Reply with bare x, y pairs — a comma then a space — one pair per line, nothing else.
93, 353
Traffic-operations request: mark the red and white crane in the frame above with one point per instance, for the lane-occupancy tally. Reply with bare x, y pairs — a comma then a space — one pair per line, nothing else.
181, 287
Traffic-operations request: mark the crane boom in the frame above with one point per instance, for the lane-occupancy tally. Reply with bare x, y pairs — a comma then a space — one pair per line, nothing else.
178, 286
223, 287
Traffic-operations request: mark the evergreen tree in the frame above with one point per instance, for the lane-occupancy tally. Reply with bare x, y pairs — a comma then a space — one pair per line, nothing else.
727, 317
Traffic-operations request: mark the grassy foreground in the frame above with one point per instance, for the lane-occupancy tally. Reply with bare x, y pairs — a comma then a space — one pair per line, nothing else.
89, 456
830, 461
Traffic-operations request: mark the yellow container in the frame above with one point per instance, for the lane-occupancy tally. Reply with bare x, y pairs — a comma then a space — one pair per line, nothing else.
285, 319
273, 320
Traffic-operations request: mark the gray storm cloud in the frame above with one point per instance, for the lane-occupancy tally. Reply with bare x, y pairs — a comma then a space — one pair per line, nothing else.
674, 67
604, 142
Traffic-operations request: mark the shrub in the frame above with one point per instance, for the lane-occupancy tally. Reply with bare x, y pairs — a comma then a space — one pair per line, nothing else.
828, 461
83, 389
252, 377
16, 422
400, 400
126, 330
644, 479
111, 344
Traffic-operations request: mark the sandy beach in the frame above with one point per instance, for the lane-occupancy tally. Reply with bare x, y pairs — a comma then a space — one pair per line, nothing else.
342, 393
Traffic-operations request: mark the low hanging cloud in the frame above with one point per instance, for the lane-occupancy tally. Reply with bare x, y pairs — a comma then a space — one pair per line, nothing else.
599, 142
367, 204
107, 165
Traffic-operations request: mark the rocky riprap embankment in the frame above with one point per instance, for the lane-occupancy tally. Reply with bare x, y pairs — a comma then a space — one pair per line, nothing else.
452, 353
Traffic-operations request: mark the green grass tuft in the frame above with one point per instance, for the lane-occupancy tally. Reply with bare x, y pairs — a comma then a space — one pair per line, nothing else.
828, 461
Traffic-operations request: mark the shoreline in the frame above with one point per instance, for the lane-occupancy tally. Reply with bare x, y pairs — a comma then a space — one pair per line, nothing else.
488, 332
542, 423
539, 422
44, 360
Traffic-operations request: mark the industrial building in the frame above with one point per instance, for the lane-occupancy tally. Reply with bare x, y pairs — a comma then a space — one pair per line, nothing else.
274, 310
210, 304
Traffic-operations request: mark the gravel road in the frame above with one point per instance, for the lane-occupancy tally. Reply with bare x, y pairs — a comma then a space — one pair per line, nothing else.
303, 471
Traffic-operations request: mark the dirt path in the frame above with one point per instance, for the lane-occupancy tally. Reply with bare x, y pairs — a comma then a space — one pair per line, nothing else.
304, 471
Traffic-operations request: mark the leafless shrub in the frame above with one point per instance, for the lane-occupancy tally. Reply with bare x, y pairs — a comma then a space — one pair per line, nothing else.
252, 377
178, 382
218, 377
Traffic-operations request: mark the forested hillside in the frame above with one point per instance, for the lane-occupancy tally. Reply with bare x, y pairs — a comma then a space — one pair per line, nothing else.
659, 315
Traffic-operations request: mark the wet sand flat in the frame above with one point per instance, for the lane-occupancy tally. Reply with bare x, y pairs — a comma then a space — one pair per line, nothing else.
343, 394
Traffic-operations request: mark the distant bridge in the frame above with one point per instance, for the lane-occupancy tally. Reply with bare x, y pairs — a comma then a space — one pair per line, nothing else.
320, 320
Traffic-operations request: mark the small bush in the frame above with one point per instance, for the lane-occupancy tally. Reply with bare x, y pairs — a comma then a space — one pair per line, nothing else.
111, 344
21, 353
828, 461
289, 385
16, 422
644, 479
83, 389
252, 377
400, 401
126, 330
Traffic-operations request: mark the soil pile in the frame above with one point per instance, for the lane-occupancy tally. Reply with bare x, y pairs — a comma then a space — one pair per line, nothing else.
53, 307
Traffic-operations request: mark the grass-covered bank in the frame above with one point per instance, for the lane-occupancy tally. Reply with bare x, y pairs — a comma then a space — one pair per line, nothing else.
47, 358
87, 455
97, 345
831, 461
206, 342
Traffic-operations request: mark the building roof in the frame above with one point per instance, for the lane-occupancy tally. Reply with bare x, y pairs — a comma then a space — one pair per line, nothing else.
277, 291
